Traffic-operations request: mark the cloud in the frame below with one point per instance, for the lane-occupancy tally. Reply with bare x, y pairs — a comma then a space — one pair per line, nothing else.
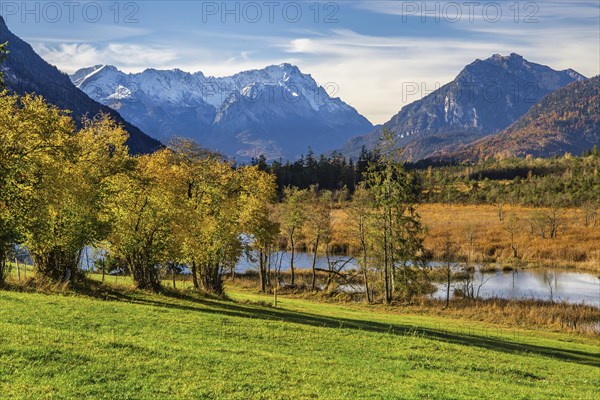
69, 57
92, 34
374, 72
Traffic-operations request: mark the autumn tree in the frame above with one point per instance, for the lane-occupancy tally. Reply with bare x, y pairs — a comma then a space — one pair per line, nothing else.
256, 215
52, 180
69, 202
449, 256
317, 225
215, 205
10, 169
293, 217
13, 168
192, 192
512, 226
143, 217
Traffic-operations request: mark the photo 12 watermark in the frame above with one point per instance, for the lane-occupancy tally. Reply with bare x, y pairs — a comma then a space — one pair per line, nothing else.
526, 12
253, 12
492, 92
118, 12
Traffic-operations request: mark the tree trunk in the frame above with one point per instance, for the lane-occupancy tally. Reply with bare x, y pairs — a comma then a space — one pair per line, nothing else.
269, 268
314, 262
261, 271
392, 266
3, 267
330, 268
366, 275
58, 265
195, 276
448, 276
211, 277
385, 265
292, 258
363, 244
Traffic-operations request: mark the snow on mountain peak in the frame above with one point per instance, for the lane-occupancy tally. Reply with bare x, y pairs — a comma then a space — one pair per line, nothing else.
121, 93
277, 108
178, 87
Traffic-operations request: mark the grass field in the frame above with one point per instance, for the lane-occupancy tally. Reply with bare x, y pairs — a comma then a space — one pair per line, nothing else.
114, 343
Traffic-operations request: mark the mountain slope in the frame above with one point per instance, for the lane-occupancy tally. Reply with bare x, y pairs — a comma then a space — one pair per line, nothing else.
26, 72
566, 121
277, 111
486, 97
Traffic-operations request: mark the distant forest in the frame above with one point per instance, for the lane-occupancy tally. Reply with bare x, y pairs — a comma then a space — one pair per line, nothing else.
564, 181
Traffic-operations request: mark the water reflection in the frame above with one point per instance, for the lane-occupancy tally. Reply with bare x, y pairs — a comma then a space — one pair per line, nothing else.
553, 285
542, 284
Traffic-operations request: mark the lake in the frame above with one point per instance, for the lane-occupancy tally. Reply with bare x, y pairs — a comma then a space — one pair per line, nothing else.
541, 284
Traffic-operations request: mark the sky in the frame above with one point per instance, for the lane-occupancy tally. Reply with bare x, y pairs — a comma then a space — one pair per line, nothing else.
372, 54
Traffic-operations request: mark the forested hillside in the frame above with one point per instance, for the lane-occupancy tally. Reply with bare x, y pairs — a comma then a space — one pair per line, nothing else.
566, 121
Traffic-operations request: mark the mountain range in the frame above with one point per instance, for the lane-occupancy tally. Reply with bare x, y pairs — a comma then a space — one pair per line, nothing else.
26, 72
277, 111
503, 106
565, 121
486, 97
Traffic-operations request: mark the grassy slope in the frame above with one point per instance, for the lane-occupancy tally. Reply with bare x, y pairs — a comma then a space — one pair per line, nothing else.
138, 345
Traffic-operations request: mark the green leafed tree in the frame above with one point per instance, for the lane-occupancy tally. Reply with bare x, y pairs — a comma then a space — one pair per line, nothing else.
395, 225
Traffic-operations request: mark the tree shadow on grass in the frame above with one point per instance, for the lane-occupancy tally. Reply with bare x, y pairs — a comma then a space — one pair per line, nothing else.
214, 305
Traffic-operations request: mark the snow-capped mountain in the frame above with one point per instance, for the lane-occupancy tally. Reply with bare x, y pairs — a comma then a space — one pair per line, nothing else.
485, 98
277, 111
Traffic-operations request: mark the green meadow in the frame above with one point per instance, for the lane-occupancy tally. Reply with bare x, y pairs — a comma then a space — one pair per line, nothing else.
110, 342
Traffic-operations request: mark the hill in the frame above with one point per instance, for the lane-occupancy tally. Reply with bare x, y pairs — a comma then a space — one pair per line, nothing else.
566, 121
126, 344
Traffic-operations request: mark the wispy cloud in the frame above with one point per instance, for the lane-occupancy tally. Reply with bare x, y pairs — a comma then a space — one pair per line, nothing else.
92, 34
71, 56
372, 72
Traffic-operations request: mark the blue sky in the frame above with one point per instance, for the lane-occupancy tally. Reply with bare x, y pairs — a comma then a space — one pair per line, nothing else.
366, 52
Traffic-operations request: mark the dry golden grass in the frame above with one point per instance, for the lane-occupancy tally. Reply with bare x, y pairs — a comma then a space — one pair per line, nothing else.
527, 314
575, 246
